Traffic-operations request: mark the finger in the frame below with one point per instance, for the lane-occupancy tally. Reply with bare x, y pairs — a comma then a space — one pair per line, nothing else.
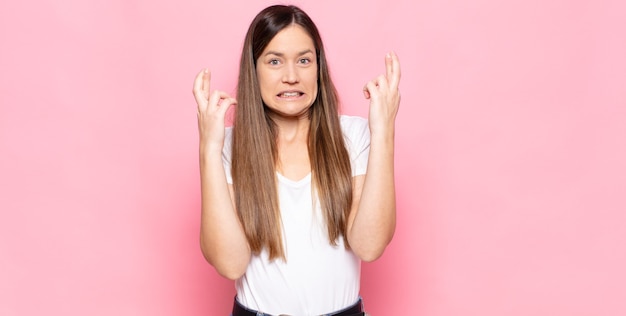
366, 92
394, 80
372, 89
201, 87
216, 98
206, 81
389, 65
202, 81
382, 83
225, 104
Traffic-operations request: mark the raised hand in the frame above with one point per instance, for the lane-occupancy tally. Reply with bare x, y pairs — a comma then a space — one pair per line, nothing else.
372, 220
222, 240
384, 96
212, 107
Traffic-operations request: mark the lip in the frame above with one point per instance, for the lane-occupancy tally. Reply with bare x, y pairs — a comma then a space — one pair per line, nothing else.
299, 94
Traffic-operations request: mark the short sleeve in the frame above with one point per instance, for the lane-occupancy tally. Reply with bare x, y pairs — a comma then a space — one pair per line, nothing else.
357, 136
227, 153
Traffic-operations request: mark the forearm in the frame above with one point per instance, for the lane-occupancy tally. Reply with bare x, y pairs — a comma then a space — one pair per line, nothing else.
375, 219
222, 239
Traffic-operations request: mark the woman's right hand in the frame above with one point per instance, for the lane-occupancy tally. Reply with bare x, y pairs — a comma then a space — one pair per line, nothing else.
212, 107
222, 240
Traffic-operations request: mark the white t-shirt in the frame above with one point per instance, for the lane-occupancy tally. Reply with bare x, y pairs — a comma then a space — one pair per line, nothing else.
317, 278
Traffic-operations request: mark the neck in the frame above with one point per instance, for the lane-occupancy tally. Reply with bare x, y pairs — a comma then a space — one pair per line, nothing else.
292, 129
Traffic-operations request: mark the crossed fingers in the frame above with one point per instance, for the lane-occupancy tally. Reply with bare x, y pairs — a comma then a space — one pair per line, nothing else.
389, 81
217, 100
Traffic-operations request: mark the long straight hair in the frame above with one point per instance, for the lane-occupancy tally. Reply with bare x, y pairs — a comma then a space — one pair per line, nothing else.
254, 149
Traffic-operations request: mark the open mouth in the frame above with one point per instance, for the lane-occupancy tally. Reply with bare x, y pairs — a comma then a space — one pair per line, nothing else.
290, 94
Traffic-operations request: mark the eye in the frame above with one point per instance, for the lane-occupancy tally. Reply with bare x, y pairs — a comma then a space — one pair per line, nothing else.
274, 61
304, 61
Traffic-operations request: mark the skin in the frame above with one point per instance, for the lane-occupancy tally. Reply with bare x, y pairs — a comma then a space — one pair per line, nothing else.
288, 64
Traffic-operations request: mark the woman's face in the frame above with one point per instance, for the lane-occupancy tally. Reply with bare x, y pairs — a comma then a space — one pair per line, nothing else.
287, 72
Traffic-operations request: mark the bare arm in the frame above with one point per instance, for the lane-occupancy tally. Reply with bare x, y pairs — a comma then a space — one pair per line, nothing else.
372, 220
222, 239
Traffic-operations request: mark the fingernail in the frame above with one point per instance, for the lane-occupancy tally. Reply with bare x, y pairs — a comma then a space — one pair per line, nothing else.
388, 55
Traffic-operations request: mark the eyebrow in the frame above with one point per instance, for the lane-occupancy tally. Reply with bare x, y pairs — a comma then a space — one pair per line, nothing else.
271, 52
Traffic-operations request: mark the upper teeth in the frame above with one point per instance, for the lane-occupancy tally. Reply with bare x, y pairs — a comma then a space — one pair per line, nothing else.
290, 94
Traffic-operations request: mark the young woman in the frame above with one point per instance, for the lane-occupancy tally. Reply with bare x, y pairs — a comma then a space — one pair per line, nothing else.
294, 195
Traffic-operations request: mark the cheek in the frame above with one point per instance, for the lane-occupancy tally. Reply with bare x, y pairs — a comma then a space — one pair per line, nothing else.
266, 94
314, 85
311, 80
264, 85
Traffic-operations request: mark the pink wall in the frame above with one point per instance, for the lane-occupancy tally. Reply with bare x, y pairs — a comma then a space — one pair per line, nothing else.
511, 153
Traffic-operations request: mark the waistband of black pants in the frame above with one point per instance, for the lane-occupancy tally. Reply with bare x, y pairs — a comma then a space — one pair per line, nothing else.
354, 310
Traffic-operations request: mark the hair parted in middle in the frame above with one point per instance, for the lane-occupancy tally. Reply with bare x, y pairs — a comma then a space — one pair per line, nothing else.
254, 149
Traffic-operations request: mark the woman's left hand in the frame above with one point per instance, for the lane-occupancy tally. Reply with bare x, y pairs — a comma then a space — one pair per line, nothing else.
384, 96
372, 220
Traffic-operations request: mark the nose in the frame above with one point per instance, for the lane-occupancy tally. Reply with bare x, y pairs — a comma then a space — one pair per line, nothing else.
290, 74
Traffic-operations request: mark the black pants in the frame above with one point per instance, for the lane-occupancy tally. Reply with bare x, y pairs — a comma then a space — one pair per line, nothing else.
354, 310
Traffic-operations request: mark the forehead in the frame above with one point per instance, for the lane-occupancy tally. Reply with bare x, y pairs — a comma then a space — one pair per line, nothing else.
293, 38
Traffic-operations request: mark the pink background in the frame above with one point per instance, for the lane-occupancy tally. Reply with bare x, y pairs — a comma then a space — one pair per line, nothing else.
511, 150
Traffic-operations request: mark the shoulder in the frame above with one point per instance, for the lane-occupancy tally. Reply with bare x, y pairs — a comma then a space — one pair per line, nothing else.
356, 134
353, 126
349, 123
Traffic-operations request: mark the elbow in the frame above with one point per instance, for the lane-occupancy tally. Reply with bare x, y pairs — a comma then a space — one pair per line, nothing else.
230, 273
231, 269
369, 250
370, 255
